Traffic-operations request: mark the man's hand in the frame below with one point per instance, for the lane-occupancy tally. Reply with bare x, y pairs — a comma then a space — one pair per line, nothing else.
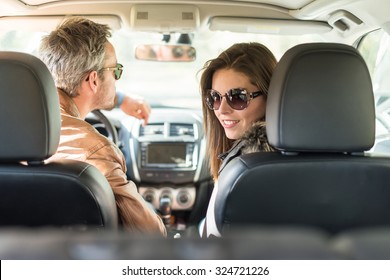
137, 107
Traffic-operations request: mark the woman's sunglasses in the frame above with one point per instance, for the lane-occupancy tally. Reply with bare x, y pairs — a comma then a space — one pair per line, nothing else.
117, 70
237, 98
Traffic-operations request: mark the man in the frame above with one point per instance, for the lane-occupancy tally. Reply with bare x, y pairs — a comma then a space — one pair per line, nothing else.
84, 67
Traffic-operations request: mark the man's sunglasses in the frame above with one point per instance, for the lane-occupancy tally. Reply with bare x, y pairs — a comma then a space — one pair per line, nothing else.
237, 98
118, 69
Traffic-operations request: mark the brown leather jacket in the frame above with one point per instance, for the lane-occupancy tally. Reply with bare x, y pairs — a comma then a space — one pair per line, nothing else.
81, 141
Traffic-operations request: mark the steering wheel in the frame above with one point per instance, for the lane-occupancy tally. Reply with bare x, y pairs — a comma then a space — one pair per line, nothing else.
107, 125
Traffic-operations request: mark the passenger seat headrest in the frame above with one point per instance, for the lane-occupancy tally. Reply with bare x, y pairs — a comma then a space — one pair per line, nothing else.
29, 109
321, 99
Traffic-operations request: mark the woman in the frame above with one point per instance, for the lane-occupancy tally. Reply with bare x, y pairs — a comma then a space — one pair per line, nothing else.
234, 91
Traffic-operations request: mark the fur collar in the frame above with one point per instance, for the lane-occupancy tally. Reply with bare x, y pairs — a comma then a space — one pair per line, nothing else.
254, 140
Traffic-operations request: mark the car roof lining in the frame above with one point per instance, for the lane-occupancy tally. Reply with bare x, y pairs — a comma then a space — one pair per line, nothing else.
314, 14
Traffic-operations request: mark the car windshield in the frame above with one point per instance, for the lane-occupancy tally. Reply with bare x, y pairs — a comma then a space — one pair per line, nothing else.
164, 84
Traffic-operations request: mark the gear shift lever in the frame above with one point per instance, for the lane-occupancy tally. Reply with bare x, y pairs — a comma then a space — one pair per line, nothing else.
166, 209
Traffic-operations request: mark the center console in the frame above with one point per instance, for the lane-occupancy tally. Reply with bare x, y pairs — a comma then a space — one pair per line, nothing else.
168, 153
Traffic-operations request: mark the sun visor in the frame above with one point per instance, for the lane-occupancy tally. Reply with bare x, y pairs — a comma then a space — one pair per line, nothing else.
164, 18
268, 26
49, 23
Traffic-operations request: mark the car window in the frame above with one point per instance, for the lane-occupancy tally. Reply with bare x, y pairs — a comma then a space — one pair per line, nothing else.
375, 49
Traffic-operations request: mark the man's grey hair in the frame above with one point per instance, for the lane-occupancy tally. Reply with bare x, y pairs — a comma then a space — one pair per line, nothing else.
74, 49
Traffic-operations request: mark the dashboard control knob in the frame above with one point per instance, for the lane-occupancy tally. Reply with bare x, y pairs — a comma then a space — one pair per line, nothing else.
183, 197
149, 197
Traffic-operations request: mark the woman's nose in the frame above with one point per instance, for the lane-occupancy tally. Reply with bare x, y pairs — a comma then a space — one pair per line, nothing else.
224, 107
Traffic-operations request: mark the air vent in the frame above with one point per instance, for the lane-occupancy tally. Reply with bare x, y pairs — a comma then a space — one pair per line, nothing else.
181, 129
152, 129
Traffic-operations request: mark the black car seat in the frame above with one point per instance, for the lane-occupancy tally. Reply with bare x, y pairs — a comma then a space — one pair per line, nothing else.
321, 119
64, 193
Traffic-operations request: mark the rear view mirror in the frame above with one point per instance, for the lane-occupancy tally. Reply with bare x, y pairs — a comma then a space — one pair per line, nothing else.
158, 52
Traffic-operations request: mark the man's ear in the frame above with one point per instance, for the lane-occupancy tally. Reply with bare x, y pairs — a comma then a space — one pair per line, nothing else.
93, 81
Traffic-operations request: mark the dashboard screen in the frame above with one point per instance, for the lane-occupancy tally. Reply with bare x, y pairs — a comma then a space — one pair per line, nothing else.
167, 153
